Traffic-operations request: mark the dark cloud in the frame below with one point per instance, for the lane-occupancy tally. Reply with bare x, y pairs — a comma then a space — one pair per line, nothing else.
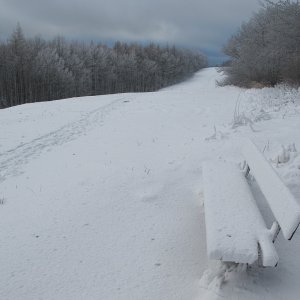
198, 24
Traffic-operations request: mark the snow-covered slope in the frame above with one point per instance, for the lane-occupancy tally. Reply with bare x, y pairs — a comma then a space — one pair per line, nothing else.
101, 197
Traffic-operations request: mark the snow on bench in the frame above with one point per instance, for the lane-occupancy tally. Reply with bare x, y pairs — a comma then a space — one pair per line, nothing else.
284, 206
235, 228
234, 225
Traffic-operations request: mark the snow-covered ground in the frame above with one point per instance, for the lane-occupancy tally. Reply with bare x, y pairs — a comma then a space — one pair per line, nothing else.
101, 197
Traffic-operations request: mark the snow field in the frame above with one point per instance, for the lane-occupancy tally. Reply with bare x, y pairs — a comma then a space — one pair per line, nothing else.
102, 196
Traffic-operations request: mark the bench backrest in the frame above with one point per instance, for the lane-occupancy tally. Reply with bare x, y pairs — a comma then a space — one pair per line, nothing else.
284, 206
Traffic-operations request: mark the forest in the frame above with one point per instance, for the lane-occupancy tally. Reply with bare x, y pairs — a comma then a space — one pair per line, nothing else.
265, 51
36, 69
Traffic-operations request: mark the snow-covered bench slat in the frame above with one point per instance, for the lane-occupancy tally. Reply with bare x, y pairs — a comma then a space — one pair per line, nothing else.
284, 206
235, 229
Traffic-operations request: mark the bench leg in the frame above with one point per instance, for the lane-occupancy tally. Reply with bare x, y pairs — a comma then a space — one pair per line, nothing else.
267, 255
294, 232
247, 171
259, 259
245, 168
275, 229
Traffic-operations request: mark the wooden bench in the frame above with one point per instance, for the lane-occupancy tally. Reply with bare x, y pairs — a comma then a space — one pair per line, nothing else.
235, 228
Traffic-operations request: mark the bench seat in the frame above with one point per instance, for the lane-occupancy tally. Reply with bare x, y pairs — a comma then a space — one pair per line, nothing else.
235, 229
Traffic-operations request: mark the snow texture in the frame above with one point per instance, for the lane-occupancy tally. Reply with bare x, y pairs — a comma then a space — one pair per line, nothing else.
284, 206
101, 197
234, 225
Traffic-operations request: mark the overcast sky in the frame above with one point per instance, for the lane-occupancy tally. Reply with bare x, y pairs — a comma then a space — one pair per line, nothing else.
196, 24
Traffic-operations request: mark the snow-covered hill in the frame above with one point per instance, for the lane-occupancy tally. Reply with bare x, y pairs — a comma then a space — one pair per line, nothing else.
101, 197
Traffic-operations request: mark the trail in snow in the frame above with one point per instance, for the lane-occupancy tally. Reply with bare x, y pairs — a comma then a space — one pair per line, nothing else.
11, 161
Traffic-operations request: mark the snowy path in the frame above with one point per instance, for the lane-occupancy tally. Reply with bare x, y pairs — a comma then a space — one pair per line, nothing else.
102, 196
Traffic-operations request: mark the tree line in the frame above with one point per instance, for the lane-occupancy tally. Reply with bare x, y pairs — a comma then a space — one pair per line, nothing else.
266, 49
36, 69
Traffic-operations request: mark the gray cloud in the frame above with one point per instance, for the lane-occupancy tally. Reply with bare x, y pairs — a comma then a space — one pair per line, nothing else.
198, 24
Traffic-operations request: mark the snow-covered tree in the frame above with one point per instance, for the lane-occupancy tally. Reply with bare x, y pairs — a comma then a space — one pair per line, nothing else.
266, 49
39, 70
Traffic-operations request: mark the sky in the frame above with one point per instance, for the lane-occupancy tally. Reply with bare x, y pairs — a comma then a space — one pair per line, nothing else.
203, 25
